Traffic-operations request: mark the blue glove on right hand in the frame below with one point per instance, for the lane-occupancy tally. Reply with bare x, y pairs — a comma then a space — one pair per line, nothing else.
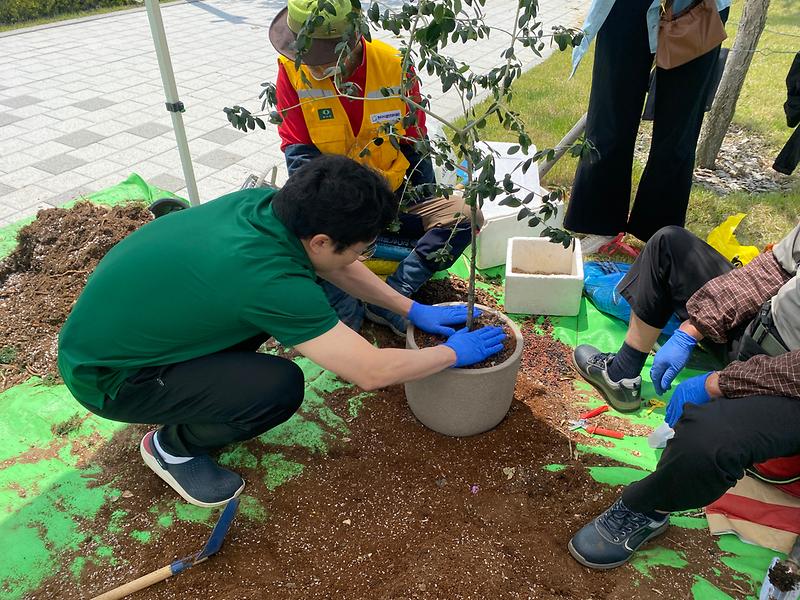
474, 346
670, 360
438, 319
691, 391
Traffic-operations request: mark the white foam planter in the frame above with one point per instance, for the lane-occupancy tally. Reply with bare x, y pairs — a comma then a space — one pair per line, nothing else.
543, 278
462, 402
501, 222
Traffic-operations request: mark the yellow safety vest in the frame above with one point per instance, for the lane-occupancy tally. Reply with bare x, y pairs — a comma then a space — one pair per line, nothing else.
327, 120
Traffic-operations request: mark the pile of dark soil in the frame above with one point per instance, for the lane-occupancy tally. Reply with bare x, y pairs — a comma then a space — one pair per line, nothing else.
41, 279
453, 289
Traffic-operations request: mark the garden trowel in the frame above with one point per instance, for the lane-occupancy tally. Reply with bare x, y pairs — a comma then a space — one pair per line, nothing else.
782, 581
213, 544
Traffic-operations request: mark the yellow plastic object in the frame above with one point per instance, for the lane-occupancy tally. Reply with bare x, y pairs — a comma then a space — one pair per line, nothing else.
381, 268
654, 404
723, 240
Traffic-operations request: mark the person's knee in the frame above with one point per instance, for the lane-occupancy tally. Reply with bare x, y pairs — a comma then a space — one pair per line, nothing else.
670, 235
279, 399
290, 396
707, 445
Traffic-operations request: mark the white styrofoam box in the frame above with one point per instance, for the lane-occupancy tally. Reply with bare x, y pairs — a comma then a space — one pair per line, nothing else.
493, 238
501, 222
551, 280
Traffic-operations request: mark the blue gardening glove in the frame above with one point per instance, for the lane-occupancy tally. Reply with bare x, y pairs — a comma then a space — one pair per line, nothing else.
670, 360
691, 391
474, 346
437, 319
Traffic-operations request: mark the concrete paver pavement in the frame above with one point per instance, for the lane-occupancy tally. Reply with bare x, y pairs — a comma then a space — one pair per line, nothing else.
82, 105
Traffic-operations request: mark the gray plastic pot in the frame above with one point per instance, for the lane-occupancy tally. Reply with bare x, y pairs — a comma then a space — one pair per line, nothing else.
461, 402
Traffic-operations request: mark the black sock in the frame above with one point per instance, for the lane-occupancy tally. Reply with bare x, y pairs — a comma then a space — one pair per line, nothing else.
627, 363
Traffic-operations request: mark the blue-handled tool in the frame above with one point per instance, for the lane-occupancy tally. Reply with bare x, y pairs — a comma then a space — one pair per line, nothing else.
213, 544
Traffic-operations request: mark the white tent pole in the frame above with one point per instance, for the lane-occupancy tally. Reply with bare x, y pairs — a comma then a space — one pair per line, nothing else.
174, 106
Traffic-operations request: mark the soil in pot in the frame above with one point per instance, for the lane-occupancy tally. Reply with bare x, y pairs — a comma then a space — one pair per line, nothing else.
454, 289
427, 340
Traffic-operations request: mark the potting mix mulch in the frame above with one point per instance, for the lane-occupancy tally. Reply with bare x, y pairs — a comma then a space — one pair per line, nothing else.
41, 279
352, 498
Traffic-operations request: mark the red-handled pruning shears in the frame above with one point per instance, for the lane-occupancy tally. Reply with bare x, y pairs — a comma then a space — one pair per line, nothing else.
595, 429
594, 412
583, 423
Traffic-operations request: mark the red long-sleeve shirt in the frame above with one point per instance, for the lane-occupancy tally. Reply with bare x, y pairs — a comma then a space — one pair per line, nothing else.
293, 130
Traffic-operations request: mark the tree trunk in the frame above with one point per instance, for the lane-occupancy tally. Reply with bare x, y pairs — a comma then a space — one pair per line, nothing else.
754, 16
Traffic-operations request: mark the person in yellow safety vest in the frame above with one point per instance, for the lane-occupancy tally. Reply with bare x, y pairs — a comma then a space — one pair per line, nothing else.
319, 118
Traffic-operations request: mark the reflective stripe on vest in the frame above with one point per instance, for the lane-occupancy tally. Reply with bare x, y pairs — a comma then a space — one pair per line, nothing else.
329, 126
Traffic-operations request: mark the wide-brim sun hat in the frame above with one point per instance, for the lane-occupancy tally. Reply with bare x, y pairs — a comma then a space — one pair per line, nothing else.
324, 39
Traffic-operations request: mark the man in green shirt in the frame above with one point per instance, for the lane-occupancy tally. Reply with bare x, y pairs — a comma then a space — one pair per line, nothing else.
166, 329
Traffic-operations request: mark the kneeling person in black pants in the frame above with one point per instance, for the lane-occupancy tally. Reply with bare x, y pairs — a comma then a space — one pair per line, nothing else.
725, 421
168, 326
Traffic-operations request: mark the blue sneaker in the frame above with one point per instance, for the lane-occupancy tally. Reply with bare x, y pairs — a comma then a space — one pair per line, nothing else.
199, 481
611, 539
383, 316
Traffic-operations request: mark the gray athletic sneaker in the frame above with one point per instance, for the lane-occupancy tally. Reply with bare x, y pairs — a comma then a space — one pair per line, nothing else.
623, 395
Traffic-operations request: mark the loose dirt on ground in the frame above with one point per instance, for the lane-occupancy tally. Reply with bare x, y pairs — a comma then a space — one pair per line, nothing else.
392, 510
397, 511
41, 279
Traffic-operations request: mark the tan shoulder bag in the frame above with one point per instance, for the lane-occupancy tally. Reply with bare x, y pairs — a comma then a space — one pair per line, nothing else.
688, 34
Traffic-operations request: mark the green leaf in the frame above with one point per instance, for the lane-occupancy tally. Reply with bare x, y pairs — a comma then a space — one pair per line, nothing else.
374, 12
510, 201
534, 221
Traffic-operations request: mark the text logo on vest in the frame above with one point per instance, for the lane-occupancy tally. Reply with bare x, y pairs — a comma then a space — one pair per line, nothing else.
325, 114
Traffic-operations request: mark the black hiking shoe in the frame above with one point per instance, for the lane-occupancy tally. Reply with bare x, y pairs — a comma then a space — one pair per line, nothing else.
199, 481
611, 539
623, 395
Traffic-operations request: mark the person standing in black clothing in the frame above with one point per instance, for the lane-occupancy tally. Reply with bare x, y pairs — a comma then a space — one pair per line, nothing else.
601, 192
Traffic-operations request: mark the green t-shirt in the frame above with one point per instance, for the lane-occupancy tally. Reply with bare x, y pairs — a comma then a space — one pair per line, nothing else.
190, 284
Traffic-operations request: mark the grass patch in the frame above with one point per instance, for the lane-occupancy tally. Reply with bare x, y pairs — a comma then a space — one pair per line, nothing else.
4, 27
770, 216
760, 106
550, 104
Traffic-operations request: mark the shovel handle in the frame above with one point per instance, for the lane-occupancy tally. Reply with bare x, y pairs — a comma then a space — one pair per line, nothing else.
137, 584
